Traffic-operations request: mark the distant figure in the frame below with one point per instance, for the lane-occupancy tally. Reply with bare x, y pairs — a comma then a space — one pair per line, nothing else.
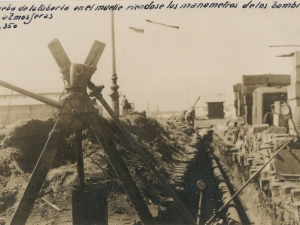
125, 105
190, 116
268, 117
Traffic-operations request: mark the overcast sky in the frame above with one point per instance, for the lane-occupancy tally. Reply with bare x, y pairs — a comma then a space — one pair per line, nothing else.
209, 52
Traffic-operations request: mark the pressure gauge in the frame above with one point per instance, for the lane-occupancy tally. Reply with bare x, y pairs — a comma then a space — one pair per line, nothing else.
284, 109
200, 184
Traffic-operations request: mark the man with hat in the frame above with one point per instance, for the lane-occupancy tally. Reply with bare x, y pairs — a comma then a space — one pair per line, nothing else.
268, 118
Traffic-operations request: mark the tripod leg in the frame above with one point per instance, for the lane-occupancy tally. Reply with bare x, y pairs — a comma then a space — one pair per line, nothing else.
34, 185
124, 176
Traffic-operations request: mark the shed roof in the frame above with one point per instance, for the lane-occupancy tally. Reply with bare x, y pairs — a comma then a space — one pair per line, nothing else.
220, 97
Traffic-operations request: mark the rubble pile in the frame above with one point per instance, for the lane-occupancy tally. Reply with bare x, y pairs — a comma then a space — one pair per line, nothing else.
21, 144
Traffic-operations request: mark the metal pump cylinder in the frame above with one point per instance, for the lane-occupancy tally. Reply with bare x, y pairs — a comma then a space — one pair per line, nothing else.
89, 204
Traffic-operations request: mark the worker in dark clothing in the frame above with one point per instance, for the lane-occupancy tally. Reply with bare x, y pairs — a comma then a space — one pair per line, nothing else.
190, 116
268, 118
125, 105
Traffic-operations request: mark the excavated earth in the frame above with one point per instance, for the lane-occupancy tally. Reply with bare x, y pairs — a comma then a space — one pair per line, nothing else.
22, 142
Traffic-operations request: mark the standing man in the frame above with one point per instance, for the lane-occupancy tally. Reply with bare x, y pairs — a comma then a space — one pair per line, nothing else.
125, 105
268, 117
190, 116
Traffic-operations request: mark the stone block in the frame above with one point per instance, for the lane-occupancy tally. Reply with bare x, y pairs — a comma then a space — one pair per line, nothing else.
295, 195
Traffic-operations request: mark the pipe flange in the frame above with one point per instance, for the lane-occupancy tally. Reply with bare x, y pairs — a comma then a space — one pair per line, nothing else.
77, 113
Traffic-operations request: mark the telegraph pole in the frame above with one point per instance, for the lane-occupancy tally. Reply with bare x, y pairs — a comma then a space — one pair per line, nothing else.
114, 87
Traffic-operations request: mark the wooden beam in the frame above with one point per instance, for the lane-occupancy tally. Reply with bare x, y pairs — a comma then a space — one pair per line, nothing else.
61, 58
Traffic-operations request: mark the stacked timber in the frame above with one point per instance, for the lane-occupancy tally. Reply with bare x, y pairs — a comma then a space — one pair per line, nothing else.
249, 84
275, 80
243, 91
294, 90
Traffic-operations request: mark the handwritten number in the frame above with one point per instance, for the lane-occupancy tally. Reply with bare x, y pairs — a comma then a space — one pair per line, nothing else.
9, 25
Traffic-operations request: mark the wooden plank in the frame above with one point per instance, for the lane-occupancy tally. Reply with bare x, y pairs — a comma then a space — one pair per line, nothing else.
279, 79
254, 79
95, 53
61, 58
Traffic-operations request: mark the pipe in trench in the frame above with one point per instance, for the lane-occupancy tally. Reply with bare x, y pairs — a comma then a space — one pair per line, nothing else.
232, 215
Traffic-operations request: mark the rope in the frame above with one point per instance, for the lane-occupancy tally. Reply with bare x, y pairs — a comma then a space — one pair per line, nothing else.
50, 134
88, 155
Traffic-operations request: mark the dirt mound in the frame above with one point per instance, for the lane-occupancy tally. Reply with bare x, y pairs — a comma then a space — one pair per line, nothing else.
22, 143
26, 140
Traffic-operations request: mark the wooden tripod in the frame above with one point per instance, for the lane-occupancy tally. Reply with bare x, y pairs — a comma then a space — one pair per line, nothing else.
77, 112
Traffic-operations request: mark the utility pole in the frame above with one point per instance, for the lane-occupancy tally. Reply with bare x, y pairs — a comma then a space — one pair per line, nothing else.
114, 87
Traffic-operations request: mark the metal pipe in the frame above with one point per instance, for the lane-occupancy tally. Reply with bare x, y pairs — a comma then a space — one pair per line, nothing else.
40, 98
232, 215
199, 208
248, 181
